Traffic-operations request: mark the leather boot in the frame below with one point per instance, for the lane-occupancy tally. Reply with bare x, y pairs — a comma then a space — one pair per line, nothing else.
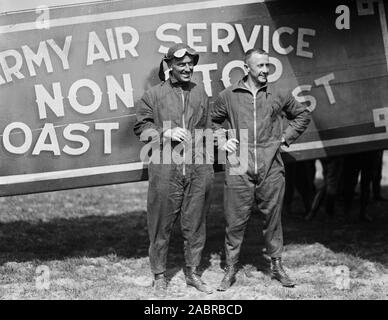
194, 280
160, 284
229, 278
278, 273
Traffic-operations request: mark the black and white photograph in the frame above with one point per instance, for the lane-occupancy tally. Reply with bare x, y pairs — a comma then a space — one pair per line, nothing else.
215, 151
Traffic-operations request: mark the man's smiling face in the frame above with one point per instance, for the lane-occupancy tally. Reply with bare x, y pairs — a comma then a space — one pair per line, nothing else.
257, 67
182, 68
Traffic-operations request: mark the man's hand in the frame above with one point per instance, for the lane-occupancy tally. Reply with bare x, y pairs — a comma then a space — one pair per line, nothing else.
230, 145
176, 134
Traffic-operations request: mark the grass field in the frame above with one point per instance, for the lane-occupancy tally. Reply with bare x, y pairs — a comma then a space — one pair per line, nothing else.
92, 244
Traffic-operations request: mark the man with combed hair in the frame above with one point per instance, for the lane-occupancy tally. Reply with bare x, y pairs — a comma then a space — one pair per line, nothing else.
252, 104
176, 188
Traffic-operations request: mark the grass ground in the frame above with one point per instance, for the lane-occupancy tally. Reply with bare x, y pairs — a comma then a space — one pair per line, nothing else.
94, 243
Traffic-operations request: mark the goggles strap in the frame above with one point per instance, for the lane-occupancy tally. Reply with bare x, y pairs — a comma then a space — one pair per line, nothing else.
161, 71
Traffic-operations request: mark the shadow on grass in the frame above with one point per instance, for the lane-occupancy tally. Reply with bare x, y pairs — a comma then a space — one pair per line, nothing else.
126, 235
340, 234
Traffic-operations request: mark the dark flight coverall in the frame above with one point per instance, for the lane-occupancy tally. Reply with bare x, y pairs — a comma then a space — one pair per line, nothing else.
263, 180
175, 189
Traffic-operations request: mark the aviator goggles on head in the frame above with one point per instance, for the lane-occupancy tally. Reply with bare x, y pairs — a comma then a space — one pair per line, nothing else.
179, 50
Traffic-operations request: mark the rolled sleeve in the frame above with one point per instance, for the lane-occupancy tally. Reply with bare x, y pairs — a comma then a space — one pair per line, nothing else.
218, 115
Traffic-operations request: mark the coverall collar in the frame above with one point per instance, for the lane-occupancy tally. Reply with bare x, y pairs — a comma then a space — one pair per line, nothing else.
240, 85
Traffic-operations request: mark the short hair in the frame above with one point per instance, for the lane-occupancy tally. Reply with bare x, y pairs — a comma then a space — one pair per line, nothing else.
250, 52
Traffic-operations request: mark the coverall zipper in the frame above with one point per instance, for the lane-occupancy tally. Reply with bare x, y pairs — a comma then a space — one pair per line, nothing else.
254, 130
184, 127
254, 126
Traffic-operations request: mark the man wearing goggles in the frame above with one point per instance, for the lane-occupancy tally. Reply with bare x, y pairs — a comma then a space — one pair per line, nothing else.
176, 188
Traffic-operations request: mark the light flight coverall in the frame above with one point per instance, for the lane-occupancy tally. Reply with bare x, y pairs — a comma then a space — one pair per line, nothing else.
262, 177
